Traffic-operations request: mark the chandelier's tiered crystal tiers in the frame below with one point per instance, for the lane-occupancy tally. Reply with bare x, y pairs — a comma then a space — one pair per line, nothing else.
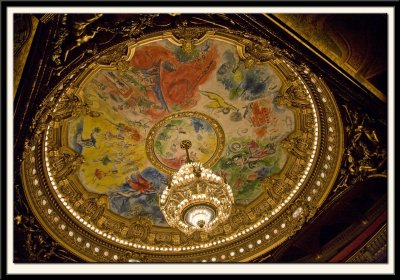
196, 199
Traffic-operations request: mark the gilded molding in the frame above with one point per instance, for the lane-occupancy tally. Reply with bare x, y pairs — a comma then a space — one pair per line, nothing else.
82, 222
374, 249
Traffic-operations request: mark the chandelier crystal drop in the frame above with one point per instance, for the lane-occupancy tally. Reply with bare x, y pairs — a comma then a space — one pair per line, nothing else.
195, 198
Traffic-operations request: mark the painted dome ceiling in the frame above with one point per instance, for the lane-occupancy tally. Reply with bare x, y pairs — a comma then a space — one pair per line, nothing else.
111, 138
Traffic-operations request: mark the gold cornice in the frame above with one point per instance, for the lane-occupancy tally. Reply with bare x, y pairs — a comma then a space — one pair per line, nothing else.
338, 65
21, 57
373, 249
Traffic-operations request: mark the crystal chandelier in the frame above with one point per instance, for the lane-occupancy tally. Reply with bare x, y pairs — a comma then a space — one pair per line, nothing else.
195, 198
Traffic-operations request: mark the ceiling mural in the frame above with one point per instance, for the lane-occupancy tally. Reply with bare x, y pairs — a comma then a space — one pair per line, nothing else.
108, 141
209, 83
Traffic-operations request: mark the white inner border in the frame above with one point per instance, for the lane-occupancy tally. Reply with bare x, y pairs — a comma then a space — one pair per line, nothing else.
12, 268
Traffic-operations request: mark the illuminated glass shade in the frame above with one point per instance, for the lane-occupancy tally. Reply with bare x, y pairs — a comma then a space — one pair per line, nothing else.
199, 216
